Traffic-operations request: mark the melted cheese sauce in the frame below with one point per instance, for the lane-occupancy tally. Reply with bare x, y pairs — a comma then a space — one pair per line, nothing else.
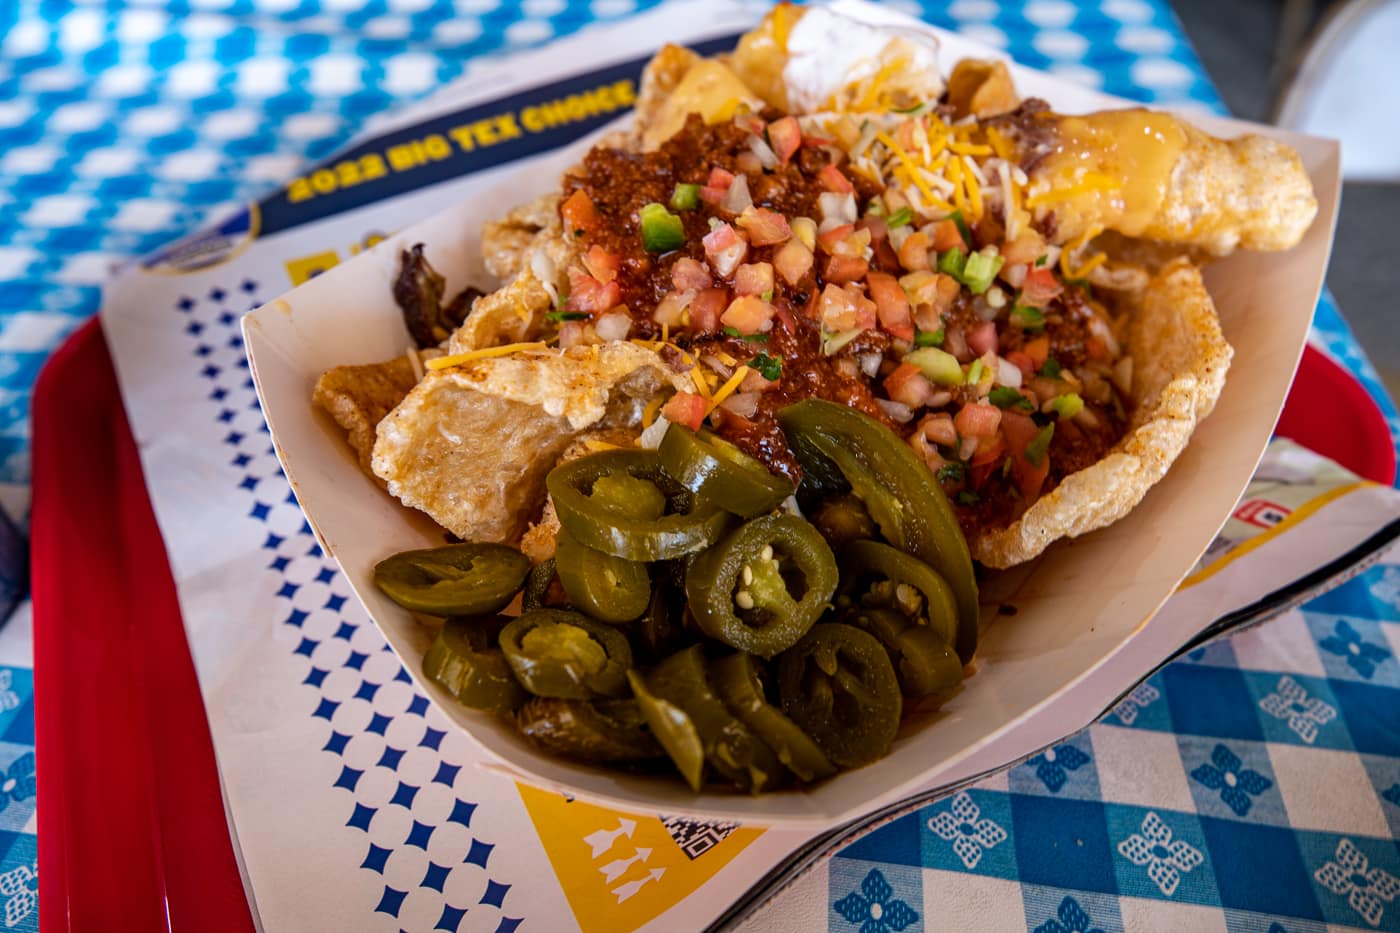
1109, 170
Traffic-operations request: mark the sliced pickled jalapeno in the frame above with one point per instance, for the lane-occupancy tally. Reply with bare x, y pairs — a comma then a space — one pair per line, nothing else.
605, 587
557, 653
462, 660
842, 519
674, 730
900, 492
736, 681
716, 470
923, 661
602, 499
730, 748
542, 588
597, 730
456, 580
875, 575
839, 686
659, 632
741, 591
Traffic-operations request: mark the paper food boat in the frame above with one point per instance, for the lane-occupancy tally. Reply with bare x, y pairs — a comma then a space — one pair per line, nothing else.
1080, 637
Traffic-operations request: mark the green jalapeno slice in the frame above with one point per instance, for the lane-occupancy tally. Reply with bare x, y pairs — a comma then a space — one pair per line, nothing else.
875, 575
715, 469
598, 730
557, 653
605, 587
659, 632
839, 686
898, 489
924, 663
462, 660
674, 729
736, 680
456, 580
622, 502
542, 588
842, 519
741, 590
731, 749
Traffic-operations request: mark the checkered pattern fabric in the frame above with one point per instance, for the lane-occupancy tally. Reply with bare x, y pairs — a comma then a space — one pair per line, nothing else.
1253, 787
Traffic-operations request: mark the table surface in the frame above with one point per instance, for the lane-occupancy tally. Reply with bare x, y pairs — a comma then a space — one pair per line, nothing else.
1253, 786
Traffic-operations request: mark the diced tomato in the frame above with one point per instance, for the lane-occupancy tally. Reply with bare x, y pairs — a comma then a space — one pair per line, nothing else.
749, 163
816, 142
686, 408
865, 308
832, 180
725, 249
793, 261
712, 196
980, 419
748, 314
908, 386
946, 235
1038, 350
913, 255
982, 338
601, 264
845, 269
987, 459
1026, 248
753, 278
720, 178
829, 240
690, 273
1040, 286
588, 294
879, 230
765, 227
948, 290
785, 136
705, 310
1022, 362
578, 213
751, 122
1029, 477
891, 305
836, 309
939, 429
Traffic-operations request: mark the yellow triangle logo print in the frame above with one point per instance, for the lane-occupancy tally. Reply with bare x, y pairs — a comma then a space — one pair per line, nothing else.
621, 870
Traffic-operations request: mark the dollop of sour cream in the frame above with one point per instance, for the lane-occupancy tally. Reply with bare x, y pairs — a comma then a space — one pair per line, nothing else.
828, 52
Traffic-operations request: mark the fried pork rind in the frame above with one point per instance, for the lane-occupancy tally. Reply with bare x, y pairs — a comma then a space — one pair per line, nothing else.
358, 398
982, 88
1180, 359
506, 243
471, 444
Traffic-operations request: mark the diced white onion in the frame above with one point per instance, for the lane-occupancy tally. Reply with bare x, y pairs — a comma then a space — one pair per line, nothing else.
1008, 373
835, 205
651, 437
613, 326
572, 334
1015, 276
737, 199
870, 364
765, 152
967, 448
896, 410
744, 404
544, 268
939, 399
1123, 375
899, 234
996, 297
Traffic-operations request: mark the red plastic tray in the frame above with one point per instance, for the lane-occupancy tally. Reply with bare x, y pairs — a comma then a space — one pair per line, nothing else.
132, 832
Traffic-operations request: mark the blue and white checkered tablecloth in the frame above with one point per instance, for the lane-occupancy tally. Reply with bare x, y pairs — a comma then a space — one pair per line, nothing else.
1254, 785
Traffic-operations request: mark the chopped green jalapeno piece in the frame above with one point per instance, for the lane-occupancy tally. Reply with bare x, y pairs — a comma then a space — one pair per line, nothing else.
929, 338
1067, 406
900, 218
463, 661
938, 366
1027, 318
716, 470
980, 270
741, 590
736, 680
456, 580
1007, 397
674, 730
685, 197
662, 231
1040, 445
619, 516
901, 494
952, 263
600, 730
603, 586
875, 575
730, 748
924, 663
557, 653
839, 686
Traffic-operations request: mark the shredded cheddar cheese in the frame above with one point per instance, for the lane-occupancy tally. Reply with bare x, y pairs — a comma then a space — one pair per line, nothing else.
457, 359
649, 413
597, 446
728, 388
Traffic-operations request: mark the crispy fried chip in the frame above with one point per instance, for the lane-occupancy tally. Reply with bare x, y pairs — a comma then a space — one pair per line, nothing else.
358, 397
539, 539
981, 87
1180, 360
471, 445
506, 243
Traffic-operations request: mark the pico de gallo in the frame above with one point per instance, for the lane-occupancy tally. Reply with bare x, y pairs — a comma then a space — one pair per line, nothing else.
888, 263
